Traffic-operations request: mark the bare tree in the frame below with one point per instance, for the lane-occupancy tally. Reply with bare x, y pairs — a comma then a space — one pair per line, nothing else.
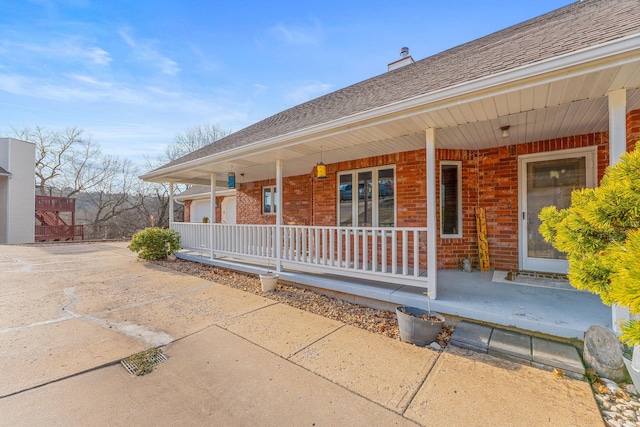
54, 151
192, 139
70, 164
111, 201
110, 197
156, 196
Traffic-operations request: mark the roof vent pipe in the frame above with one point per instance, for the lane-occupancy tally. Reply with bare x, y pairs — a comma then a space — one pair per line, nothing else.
405, 59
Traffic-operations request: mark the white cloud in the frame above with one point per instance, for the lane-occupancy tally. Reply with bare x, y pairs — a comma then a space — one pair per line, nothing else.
259, 88
307, 91
97, 55
297, 35
79, 88
145, 51
89, 80
66, 48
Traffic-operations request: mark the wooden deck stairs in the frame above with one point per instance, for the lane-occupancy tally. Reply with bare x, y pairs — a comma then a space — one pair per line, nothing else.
52, 226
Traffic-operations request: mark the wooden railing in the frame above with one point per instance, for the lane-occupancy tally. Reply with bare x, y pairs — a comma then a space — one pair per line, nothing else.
52, 203
58, 232
397, 253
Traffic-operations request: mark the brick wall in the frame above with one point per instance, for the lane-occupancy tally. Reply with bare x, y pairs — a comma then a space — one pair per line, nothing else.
297, 197
451, 251
498, 190
187, 211
633, 129
489, 180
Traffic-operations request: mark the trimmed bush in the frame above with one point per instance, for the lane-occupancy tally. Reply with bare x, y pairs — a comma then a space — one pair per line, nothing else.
155, 243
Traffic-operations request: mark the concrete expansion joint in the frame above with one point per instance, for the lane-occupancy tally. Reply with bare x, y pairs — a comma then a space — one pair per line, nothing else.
317, 341
417, 389
66, 377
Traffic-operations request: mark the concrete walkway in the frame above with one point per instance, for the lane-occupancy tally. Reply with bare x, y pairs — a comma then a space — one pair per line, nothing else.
71, 312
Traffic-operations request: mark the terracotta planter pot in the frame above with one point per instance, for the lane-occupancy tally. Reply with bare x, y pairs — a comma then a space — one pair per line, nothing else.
415, 330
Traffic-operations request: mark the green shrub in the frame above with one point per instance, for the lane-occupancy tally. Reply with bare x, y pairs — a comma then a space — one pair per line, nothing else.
600, 233
155, 243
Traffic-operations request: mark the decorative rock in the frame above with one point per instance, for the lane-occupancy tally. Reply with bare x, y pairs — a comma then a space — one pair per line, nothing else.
603, 352
611, 386
620, 409
631, 389
434, 345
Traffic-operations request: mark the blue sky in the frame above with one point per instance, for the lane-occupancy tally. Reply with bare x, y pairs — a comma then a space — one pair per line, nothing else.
134, 73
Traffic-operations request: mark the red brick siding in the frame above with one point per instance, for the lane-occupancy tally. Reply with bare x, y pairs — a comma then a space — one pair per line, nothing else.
498, 190
219, 200
489, 180
297, 196
451, 251
633, 129
187, 210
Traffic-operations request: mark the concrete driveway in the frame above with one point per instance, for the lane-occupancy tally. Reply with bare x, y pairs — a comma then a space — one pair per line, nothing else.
69, 312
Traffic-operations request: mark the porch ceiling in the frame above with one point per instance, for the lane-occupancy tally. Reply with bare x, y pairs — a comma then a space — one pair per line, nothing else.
539, 108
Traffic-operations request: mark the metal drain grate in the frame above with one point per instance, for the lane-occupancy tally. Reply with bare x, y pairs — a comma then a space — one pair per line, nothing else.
143, 363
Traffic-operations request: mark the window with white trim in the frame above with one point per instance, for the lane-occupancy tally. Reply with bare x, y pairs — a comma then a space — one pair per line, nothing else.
450, 198
366, 197
269, 200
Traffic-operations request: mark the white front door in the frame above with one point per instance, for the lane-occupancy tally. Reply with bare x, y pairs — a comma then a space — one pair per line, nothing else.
229, 210
548, 179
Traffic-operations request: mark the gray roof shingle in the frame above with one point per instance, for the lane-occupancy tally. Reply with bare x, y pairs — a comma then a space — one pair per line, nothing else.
568, 29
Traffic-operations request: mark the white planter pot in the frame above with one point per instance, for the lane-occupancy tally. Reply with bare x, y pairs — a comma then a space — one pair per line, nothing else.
635, 361
269, 281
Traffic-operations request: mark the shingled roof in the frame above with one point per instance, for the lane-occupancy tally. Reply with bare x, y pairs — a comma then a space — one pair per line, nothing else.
577, 26
194, 190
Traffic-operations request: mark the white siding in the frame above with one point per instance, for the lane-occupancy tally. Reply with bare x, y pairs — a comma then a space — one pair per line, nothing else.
199, 209
20, 198
4, 184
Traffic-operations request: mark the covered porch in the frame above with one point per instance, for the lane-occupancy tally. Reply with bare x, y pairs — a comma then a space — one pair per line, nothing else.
551, 311
426, 145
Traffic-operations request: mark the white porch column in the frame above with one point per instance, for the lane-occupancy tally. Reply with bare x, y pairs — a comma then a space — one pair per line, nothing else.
432, 254
617, 125
617, 146
279, 209
212, 212
170, 204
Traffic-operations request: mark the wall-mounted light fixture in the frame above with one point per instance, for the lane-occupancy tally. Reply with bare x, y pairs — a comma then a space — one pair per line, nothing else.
321, 168
231, 180
505, 131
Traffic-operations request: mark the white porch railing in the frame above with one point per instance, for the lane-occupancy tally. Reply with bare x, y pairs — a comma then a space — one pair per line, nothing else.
398, 253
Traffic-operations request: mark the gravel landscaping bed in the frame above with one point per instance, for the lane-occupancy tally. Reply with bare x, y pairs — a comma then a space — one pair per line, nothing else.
383, 322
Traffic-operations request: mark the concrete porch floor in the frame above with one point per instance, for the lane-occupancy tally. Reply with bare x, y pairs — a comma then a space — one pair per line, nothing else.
555, 312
